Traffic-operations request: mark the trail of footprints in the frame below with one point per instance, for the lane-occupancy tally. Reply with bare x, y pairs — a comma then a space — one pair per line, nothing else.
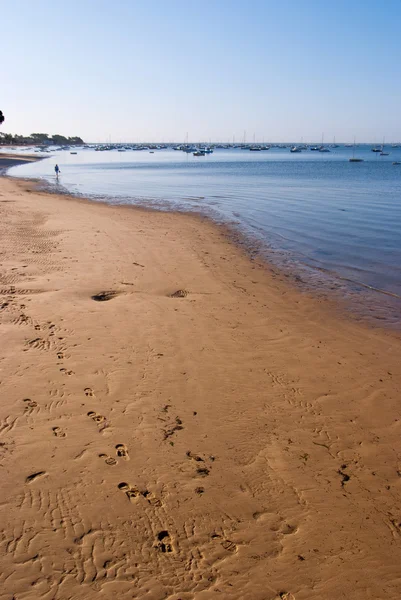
60, 509
163, 542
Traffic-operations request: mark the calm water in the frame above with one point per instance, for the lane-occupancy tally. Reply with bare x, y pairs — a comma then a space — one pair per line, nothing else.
334, 223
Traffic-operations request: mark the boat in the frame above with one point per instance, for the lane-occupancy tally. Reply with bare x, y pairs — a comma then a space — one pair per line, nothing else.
353, 159
382, 153
322, 147
376, 149
255, 148
396, 162
314, 148
295, 149
199, 153
73, 152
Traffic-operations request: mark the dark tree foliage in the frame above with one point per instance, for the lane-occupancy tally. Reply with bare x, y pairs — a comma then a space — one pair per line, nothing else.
40, 139
1, 117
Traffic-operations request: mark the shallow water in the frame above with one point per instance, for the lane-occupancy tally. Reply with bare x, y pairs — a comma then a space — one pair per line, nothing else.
336, 224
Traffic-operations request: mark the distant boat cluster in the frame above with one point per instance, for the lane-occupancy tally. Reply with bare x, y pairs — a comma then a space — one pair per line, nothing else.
203, 149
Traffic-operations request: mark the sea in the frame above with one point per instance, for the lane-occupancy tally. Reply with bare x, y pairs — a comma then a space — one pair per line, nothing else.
332, 226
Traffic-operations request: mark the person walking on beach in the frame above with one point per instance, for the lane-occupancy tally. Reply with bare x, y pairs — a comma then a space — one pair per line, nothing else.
57, 169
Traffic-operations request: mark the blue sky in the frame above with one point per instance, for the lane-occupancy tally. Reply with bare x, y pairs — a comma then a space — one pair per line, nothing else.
155, 70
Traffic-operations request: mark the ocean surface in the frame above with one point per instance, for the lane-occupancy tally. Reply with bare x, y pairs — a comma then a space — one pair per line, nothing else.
333, 225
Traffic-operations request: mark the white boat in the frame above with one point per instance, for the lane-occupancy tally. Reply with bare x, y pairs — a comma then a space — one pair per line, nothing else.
322, 147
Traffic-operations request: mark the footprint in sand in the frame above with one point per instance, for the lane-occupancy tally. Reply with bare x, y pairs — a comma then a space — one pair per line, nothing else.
133, 493
58, 432
89, 392
202, 471
130, 492
34, 476
60, 355
163, 542
193, 456
99, 419
29, 403
227, 544
109, 460
151, 498
122, 451
179, 294
67, 372
105, 296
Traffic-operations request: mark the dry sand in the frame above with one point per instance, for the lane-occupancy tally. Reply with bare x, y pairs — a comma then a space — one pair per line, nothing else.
238, 440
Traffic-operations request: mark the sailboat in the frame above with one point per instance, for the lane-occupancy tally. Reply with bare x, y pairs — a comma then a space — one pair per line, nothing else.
382, 153
322, 147
353, 159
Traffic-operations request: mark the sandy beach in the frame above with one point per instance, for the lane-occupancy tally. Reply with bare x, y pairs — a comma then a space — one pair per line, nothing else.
177, 422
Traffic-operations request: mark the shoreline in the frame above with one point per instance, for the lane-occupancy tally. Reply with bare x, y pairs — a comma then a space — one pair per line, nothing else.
356, 300
206, 429
8, 160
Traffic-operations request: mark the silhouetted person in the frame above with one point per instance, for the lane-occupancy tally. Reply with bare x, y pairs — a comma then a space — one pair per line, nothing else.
57, 169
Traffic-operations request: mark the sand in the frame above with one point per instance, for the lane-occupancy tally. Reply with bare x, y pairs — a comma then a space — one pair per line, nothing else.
8, 160
202, 430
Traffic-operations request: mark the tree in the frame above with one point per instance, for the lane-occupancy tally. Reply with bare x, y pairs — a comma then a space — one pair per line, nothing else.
75, 140
59, 140
6, 139
1, 117
40, 138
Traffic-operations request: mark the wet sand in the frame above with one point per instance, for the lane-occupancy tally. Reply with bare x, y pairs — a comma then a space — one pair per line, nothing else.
8, 160
177, 422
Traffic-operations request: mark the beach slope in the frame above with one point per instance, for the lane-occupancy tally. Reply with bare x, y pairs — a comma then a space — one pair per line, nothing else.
177, 422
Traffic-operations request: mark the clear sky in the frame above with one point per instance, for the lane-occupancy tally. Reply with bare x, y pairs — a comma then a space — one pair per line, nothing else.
135, 70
